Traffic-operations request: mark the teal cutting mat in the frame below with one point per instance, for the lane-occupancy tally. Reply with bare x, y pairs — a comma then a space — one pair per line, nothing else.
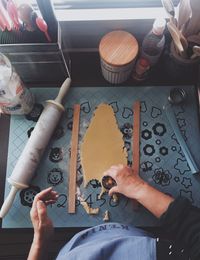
162, 162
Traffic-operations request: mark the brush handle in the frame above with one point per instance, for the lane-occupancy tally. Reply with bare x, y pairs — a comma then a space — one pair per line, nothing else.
63, 91
8, 202
47, 36
4, 17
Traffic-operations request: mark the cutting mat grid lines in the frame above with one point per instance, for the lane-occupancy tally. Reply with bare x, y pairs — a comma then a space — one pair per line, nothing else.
162, 162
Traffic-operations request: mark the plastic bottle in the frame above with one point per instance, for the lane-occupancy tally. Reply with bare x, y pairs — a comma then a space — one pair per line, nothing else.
15, 98
141, 69
154, 42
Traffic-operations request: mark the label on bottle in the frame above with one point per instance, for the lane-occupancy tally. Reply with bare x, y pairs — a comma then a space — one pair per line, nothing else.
161, 43
21, 104
16, 99
141, 69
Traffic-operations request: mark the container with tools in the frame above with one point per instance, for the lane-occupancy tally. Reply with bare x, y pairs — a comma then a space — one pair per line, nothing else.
178, 67
183, 56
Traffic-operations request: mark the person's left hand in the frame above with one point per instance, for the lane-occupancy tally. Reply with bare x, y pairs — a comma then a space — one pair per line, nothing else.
43, 226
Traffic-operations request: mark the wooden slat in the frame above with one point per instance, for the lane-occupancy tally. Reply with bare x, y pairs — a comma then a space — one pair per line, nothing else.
73, 160
136, 143
136, 138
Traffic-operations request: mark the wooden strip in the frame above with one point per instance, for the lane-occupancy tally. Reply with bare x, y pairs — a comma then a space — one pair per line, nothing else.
136, 143
136, 138
73, 160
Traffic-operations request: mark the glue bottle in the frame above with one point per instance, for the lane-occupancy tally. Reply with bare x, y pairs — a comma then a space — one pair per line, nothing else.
154, 42
15, 98
141, 69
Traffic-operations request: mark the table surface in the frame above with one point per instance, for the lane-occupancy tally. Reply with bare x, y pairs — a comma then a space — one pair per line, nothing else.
162, 163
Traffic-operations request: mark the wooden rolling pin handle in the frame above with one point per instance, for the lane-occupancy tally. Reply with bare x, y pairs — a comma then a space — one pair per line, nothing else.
8, 202
63, 90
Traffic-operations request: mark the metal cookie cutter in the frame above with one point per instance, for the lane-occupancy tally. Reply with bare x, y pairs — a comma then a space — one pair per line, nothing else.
178, 96
108, 182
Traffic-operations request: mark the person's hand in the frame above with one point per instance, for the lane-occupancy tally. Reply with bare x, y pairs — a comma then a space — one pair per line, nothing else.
43, 226
128, 183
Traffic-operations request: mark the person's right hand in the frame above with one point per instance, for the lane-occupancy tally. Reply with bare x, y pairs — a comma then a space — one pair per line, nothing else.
128, 183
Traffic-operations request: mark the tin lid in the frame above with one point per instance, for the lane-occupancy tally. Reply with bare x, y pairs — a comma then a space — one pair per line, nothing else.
118, 48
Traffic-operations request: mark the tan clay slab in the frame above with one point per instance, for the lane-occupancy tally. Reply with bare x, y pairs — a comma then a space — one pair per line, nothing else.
103, 145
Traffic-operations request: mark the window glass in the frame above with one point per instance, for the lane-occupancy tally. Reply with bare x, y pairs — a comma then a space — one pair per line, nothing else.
32, 2
107, 3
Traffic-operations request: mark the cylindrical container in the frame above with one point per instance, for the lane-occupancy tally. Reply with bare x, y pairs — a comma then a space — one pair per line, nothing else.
15, 98
118, 51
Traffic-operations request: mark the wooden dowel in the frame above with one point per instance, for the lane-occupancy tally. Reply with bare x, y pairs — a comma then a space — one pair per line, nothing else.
73, 161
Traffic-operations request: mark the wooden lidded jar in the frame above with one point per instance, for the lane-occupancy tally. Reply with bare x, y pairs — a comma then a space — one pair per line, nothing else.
118, 51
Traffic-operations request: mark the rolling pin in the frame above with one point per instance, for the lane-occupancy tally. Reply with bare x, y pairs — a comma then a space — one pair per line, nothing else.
29, 159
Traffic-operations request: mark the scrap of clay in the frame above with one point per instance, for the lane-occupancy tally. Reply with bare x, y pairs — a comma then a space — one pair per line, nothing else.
90, 211
115, 198
103, 145
106, 216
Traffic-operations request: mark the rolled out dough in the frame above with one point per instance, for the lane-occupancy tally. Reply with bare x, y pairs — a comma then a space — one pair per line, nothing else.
103, 145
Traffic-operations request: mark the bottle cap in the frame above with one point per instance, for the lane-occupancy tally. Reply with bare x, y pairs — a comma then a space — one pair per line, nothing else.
159, 26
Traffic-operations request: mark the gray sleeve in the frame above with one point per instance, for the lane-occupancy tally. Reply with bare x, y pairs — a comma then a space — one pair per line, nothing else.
182, 222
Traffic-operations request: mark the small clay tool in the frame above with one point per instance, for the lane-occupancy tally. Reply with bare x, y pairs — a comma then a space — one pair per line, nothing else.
169, 8
193, 25
179, 40
73, 161
178, 96
184, 13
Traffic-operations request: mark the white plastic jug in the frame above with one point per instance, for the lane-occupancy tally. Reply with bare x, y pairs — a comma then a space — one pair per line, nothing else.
15, 98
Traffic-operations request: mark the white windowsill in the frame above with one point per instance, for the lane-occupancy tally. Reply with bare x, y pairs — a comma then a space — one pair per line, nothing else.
110, 14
